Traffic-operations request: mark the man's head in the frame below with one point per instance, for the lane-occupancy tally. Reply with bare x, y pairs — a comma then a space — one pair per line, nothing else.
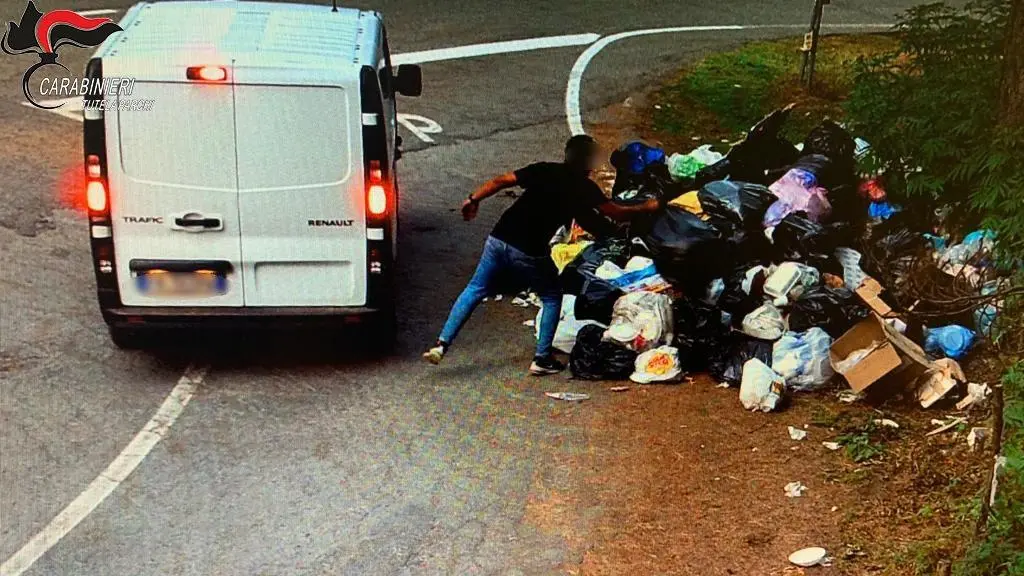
581, 153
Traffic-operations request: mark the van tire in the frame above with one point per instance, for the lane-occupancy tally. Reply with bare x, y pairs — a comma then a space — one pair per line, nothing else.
127, 338
384, 336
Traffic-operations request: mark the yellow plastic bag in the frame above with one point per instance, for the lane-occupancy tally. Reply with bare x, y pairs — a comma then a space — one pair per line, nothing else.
689, 202
563, 254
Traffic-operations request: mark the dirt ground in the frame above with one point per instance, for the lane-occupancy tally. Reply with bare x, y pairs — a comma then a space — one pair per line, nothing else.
681, 480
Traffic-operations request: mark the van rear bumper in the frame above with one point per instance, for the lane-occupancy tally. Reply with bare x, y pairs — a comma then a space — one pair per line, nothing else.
276, 317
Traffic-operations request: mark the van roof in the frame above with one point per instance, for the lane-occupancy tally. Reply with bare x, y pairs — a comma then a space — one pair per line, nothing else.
260, 33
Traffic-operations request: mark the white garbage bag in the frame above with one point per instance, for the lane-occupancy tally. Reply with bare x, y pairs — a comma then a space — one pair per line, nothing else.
765, 323
658, 365
568, 325
641, 321
802, 359
761, 388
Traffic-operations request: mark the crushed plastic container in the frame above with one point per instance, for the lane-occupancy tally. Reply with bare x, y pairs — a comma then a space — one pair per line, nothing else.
789, 281
952, 341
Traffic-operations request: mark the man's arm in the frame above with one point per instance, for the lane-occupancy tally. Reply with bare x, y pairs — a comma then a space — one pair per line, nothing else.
623, 213
486, 190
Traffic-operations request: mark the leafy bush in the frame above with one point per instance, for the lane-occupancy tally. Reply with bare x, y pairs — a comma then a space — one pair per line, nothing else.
929, 109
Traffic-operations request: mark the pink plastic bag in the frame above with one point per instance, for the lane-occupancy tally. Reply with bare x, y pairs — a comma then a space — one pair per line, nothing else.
797, 191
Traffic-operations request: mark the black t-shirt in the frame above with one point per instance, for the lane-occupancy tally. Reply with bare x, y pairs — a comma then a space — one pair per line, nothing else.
553, 196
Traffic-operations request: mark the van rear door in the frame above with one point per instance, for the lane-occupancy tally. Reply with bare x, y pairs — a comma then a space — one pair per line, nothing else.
300, 194
174, 197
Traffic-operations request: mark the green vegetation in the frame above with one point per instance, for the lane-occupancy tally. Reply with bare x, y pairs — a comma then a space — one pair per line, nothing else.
1001, 550
930, 108
725, 94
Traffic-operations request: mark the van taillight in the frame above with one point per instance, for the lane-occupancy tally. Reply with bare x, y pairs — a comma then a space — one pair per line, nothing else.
95, 187
207, 73
96, 195
376, 191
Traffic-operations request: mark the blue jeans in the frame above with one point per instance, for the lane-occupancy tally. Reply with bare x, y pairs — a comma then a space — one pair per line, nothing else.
500, 259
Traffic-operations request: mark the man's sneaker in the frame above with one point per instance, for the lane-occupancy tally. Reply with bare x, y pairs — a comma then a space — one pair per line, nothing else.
546, 366
435, 354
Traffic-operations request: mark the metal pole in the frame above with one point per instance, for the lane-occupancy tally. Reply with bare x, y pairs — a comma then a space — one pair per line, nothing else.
810, 47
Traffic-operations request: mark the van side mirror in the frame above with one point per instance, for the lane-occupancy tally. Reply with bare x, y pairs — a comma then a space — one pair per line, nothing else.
409, 80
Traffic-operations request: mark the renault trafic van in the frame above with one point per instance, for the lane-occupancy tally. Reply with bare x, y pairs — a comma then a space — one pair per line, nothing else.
259, 185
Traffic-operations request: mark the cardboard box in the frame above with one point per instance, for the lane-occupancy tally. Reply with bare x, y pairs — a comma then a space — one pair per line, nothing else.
890, 355
870, 292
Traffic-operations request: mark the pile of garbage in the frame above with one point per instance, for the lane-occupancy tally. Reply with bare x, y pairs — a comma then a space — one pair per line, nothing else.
750, 273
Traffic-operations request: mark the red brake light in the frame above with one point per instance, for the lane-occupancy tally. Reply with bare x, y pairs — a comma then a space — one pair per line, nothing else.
96, 196
207, 73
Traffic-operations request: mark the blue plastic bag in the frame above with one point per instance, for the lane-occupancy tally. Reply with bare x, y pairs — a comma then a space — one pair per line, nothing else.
952, 341
635, 157
802, 358
882, 210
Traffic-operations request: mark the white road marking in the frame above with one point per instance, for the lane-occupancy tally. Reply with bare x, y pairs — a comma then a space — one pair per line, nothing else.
420, 126
108, 480
100, 12
490, 48
572, 91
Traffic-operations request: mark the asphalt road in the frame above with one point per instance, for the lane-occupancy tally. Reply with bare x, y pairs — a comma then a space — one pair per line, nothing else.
304, 458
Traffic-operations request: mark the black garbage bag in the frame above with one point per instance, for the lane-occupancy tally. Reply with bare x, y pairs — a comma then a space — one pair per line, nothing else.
831, 140
735, 300
698, 331
726, 363
688, 251
834, 310
741, 204
595, 297
799, 239
594, 359
763, 150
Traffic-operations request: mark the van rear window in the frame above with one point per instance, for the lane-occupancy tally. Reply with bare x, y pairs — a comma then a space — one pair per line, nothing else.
293, 136
186, 139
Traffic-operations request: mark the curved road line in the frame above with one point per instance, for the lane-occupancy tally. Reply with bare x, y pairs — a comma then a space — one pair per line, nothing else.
572, 91
108, 480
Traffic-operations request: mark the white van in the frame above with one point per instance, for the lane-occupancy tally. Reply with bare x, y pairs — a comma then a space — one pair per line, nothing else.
260, 185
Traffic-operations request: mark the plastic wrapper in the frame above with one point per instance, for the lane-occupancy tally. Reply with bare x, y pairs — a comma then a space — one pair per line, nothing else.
834, 310
853, 275
802, 358
949, 341
641, 321
765, 323
761, 388
658, 365
594, 359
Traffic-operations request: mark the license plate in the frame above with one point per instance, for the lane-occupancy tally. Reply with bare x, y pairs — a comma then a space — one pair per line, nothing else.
161, 283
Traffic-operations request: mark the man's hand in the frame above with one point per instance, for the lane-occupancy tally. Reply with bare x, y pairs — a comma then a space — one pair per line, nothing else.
470, 209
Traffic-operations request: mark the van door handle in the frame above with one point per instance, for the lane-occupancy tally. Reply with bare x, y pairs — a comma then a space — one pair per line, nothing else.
202, 222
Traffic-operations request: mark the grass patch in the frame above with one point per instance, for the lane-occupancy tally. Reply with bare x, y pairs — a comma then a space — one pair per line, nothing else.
723, 95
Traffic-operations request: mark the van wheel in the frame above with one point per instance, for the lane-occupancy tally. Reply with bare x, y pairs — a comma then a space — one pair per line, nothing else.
384, 336
127, 338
